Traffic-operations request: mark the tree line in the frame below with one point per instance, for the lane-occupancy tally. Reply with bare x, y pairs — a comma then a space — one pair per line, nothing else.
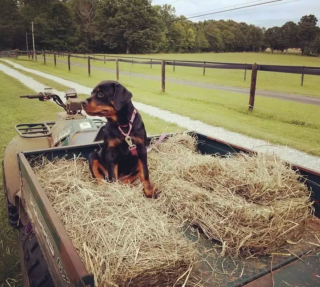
137, 26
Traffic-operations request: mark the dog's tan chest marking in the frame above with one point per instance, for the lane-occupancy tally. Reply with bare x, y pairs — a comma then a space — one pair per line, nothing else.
113, 142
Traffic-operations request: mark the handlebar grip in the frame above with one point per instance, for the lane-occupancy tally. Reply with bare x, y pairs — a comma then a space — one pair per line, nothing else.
32, 96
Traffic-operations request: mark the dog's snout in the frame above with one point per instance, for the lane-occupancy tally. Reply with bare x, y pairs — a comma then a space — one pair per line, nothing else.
84, 103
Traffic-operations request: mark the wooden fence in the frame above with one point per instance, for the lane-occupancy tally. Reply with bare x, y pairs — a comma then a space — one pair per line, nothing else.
17, 53
187, 63
8, 54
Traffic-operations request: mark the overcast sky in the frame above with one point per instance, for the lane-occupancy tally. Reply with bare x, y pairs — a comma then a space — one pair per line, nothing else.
269, 15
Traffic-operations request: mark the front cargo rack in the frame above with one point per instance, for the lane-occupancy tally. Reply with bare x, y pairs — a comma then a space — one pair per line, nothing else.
34, 130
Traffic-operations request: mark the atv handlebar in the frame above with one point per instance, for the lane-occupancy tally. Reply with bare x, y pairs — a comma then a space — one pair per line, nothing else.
38, 96
47, 96
70, 108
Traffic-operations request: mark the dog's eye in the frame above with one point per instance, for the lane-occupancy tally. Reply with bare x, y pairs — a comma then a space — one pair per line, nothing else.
100, 95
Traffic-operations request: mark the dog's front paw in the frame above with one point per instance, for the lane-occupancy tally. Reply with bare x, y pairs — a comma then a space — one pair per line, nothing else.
100, 181
148, 189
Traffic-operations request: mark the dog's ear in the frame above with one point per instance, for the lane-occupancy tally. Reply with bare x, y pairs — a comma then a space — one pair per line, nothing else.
121, 96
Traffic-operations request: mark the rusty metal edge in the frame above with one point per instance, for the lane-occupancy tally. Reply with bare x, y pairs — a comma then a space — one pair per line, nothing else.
67, 247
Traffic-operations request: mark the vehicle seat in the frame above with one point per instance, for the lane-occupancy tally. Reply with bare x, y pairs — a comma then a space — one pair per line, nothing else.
87, 137
84, 137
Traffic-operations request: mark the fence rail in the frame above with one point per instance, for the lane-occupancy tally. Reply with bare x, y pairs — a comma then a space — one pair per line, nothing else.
290, 70
199, 64
8, 54
303, 70
209, 64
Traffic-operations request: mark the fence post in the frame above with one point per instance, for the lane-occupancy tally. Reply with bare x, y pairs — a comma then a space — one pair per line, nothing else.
245, 74
302, 78
174, 65
55, 58
117, 69
253, 86
44, 57
69, 64
204, 68
89, 66
35, 55
151, 64
163, 75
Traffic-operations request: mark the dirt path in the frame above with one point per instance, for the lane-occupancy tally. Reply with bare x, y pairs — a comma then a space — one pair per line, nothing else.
269, 94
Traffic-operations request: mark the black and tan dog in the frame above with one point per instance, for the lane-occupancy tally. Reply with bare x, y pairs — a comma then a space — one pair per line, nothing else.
124, 155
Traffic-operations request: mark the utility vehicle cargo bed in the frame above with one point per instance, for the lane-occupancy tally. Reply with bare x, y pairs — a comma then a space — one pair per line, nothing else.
68, 270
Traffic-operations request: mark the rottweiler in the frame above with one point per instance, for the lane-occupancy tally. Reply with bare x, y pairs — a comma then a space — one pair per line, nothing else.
124, 153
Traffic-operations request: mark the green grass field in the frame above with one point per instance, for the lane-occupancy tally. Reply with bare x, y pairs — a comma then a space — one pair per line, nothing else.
280, 122
269, 81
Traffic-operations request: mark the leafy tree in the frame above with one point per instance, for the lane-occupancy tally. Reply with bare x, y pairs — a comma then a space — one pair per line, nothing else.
86, 17
274, 39
190, 39
130, 26
213, 35
228, 39
201, 41
255, 38
315, 46
166, 16
307, 32
289, 33
11, 27
30, 9
58, 33
177, 37
242, 37
137, 26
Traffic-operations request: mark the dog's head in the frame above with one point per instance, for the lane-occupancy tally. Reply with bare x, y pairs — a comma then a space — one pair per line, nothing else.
107, 98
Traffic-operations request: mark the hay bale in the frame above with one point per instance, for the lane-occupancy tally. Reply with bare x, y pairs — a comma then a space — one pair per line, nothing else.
121, 236
250, 203
239, 225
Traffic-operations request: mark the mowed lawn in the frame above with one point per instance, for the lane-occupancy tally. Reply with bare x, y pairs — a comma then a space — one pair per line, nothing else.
270, 81
280, 122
